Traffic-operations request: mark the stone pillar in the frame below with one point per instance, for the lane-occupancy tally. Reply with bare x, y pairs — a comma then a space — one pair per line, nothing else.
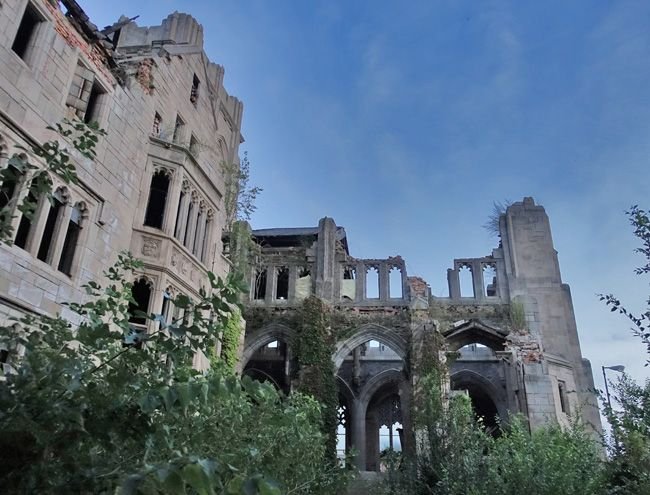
58, 237
384, 282
325, 259
360, 282
271, 275
37, 226
181, 221
293, 277
454, 283
358, 430
171, 208
477, 279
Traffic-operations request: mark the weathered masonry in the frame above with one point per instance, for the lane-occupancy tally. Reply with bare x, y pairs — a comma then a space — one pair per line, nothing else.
512, 336
157, 185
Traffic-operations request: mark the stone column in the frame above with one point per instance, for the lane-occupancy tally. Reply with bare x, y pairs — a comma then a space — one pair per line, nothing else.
191, 225
454, 283
293, 276
173, 198
181, 223
477, 279
38, 226
271, 275
384, 282
360, 282
358, 431
60, 231
325, 259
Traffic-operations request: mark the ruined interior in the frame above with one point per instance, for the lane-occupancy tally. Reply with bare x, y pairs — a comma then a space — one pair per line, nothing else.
506, 348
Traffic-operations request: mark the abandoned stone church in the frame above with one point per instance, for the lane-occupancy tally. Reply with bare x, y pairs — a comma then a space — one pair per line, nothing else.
156, 188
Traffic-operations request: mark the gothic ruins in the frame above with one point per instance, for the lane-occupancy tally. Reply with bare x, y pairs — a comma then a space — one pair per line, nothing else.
157, 189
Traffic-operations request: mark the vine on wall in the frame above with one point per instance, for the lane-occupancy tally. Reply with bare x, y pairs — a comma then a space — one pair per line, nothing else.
314, 348
230, 340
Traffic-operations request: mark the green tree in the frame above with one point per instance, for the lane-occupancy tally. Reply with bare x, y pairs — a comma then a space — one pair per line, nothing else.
629, 446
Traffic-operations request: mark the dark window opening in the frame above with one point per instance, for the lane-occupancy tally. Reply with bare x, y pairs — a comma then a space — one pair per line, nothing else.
93, 106
177, 228
157, 124
197, 232
178, 130
48, 232
190, 211
11, 176
194, 94
141, 293
260, 285
70, 242
4, 356
26, 32
157, 198
282, 284
348, 273
304, 272
25, 225
564, 403
206, 236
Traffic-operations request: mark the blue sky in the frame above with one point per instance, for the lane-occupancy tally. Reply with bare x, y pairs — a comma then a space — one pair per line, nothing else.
406, 122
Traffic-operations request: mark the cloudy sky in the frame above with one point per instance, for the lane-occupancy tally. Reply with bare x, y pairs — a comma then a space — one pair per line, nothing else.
406, 122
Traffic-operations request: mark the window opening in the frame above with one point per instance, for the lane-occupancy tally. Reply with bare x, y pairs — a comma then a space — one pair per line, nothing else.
194, 93
81, 90
71, 239
141, 292
23, 44
260, 284
157, 125
272, 345
466, 281
197, 232
349, 284
178, 130
93, 106
50, 226
282, 283
11, 177
177, 228
157, 198
372, 283
489, 280
194, 146
206, 236
190, 211
564, 403
341, 432
395, 283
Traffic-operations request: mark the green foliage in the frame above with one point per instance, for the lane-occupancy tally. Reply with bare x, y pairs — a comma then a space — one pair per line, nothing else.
102, 408
314, 349
239, 195
517, 315
230, 340
629, 446
456, 456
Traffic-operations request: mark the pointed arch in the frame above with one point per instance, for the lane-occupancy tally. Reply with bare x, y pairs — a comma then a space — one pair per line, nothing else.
263, 336
370, 331
475, 331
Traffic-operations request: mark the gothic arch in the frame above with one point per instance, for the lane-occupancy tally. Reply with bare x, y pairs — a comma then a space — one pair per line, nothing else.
471, 379
392, 375
263, 336
475, 332
370, 331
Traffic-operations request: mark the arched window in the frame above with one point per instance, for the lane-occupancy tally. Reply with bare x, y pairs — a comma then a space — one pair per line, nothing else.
54, 213
141, 292
71, 239
25, 225
157, 199
11, 177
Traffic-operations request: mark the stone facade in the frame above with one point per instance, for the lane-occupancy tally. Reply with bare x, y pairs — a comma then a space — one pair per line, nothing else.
156, 187
508, 333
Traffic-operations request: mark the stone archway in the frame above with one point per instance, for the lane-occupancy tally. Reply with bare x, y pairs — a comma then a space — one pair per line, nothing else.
263, 336
267, 356
370, 331
488, 402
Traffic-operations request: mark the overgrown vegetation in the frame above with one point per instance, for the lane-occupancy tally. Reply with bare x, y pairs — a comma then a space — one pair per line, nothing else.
240, 195
101, 408
629, 446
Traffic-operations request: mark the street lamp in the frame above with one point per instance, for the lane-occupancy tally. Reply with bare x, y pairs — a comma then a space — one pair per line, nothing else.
620, 368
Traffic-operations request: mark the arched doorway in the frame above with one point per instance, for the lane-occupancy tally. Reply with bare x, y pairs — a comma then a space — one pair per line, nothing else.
372, 385
487, 402
271, 363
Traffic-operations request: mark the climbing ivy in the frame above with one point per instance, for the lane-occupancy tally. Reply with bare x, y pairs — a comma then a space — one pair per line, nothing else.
230, 340
314, 347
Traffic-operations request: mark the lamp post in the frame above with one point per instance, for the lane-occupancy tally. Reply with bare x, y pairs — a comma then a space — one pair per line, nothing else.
620, 368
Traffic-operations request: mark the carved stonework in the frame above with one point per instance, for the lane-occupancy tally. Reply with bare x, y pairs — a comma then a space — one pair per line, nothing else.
151, 247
